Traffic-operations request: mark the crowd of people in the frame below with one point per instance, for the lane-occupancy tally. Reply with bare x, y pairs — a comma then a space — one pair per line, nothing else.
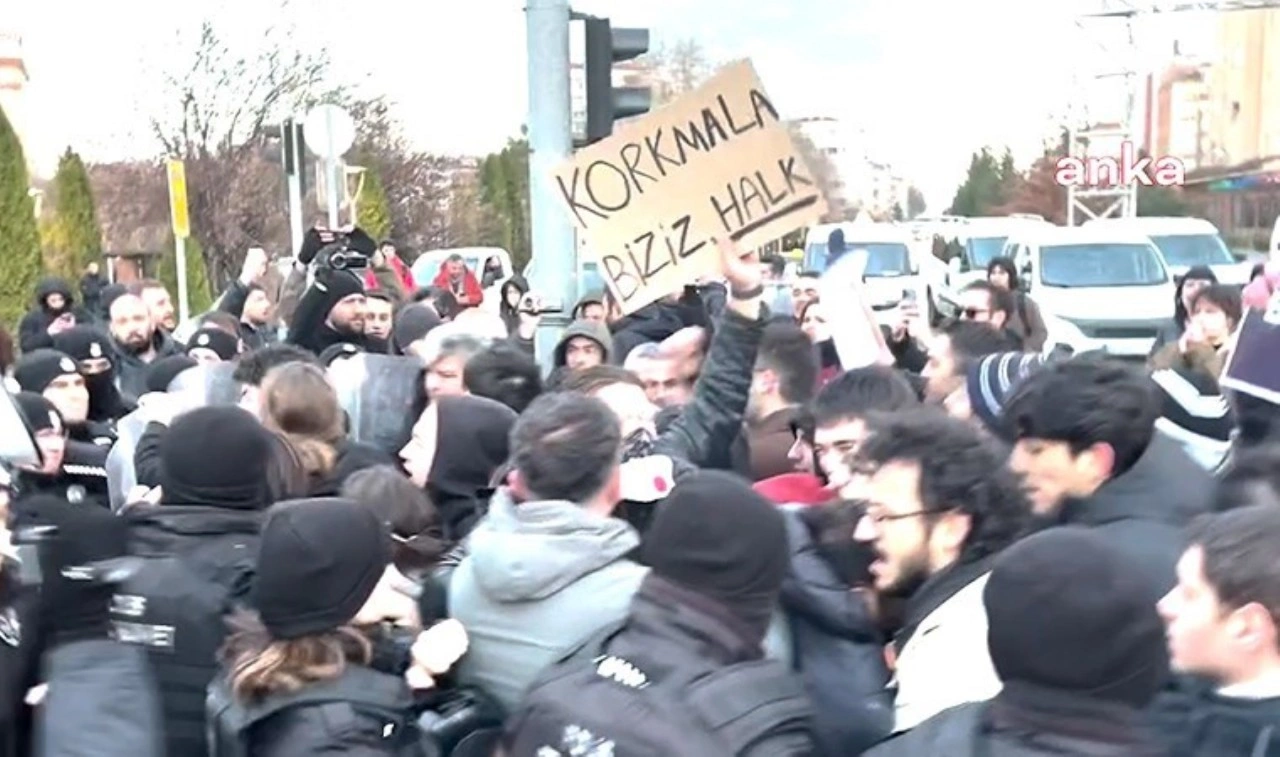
745, 519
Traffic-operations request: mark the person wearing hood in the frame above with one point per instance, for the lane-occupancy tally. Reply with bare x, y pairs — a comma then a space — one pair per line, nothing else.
57, 376
456, 278
456, 445
1080, 654
1085, 440
837, 642
510, 297
1189, 284
1223, 627
198, 547
686, 664
583, 345
591, 307
548, 561
55, 311
138, 342
91, 349
940, 505
70, 470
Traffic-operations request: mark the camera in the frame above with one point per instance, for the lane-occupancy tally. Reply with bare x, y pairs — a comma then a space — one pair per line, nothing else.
533, 304
339, 256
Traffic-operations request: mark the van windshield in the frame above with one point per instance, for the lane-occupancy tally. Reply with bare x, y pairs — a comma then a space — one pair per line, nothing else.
883, 258
980, 251
1193, 249
1101, 265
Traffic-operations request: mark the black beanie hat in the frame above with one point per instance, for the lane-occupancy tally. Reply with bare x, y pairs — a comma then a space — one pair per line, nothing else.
318, 562
222, 344
412, 323
216, 457
40, 413
111, 293
716, 536
162, 372
339, 351
36, 370
1067, 610
82, 343
336, 286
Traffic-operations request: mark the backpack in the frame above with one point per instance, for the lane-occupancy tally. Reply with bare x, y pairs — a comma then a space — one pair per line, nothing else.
593, 704
176, 607
361, 701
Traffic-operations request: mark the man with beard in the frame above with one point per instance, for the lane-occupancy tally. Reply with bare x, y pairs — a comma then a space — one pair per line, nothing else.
138, 342
940, 504
53, 313
332, 311
159, 303
91, 349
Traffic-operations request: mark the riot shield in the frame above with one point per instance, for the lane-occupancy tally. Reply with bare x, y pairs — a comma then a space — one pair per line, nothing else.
378, 393
206, 385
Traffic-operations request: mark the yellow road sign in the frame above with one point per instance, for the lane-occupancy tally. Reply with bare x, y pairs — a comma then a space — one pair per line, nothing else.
178, 199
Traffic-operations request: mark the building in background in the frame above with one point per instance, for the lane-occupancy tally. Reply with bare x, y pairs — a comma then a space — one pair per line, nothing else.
1244, 88
861, 182
1177, 113
15, 97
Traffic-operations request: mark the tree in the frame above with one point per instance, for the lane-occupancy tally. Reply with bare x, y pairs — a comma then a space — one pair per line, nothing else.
986, 186
1162, 201
69, 233
20, 260
372, 211
915, 202
1038, 192
199, 293
222, 102
504, 191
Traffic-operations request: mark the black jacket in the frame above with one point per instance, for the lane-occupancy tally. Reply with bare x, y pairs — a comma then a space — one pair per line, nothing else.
1025, 721
309, 329
19, 660
1195, 721
363, 713
1144, 510
837, 650
199, 566
33, 330
102, 687
83, 477
131, 370
651, 323
352, 457
232, 303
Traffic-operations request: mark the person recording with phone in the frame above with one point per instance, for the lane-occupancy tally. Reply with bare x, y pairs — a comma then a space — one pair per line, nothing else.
332, 310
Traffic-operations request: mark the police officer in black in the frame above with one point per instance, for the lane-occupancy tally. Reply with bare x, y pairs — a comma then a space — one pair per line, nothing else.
58, 377
75, 471
91, 349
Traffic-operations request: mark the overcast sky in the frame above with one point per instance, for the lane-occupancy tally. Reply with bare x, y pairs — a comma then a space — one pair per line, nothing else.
931, 80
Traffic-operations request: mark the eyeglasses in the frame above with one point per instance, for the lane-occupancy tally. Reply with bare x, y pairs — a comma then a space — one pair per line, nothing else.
881, 518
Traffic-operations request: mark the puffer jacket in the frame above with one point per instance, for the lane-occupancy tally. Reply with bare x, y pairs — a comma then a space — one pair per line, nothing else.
837, 649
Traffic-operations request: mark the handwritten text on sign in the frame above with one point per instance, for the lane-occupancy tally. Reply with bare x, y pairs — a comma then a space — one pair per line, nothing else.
715, 163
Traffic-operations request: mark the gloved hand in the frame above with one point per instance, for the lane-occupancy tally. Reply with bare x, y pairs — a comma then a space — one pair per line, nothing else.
73, 607
312, 242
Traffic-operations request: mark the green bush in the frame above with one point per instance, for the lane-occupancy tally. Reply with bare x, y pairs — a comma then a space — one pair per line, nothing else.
20, 259
199, 292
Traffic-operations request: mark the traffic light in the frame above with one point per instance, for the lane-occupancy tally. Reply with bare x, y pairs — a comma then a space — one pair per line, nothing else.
294, 149
605, 102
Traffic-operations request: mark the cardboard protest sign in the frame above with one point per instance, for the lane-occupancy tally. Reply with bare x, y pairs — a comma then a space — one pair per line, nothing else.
1253, 366
717, 163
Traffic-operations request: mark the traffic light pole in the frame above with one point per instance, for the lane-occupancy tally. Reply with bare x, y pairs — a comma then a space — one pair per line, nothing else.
554, 270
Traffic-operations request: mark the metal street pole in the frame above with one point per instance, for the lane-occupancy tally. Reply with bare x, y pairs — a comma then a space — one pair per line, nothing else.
550, 142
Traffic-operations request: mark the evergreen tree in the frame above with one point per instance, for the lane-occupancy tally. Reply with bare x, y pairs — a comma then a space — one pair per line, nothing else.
76, 215
987, 185
504, 191
20, 259
373, 209
199, 293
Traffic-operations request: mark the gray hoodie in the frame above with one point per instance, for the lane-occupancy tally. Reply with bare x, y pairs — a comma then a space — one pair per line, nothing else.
593, 330
539, 578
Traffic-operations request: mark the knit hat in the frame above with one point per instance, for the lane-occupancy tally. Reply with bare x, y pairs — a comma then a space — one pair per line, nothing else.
339, 351
717, 537
162, 372
37, 369
111, 293
992, 379
216, 457
225, 346
83, 343
319, 560
40, 413
336, 286
412, 323
1067, 610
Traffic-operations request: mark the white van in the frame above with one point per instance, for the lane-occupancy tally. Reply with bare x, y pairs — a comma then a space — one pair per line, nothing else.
1185, 242
982, 240
1098, 287
893, 261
